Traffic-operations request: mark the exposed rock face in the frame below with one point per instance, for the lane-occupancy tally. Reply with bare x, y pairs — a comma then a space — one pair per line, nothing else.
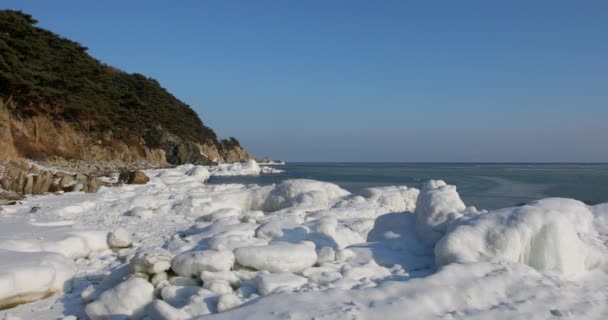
236, 154
134, 177
20, 178
41, 138
187, 152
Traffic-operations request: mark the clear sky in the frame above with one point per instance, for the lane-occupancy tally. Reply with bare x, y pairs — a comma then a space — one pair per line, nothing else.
351, 80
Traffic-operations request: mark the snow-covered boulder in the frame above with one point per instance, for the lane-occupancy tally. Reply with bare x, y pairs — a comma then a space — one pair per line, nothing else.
160, 310
29, 276
273, 282
72, 244
551, 235
198, 172
396, 199
193, 263
151, 261
437, 205
302, 192
125, 301
247, 168
277, 257
228, 302
120, 238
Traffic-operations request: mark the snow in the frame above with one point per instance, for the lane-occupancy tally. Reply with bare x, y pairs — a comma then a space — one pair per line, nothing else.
277, 257
178, 248
29, 276
437, 205
151, 261
270, 170
274, 282
120, 238
247, 168
550, 235
193, 263
125, 301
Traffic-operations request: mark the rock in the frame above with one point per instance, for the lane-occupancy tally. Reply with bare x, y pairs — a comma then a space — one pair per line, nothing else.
29, 185
34, 170
187, 152
42, 182
55, 187
71, 188
93, 183
66, 180
134, 177
81, 177
10, 196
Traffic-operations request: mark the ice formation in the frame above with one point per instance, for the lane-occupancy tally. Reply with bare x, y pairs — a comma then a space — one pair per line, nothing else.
178, 248
551, 235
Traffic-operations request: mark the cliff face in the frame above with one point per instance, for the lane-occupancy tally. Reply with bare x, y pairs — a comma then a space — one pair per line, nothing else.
56, 100
38, 137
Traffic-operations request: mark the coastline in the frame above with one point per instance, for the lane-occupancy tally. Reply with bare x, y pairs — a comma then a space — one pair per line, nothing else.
368, 249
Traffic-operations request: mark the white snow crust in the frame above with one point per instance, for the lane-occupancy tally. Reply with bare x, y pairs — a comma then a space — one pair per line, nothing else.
178, 248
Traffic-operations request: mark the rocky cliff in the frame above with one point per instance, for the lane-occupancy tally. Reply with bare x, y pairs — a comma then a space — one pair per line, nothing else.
57, 101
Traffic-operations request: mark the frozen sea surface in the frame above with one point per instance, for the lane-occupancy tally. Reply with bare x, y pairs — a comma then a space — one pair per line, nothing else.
484, 185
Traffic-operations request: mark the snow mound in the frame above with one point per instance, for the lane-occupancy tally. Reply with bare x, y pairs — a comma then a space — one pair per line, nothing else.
247, 168
300, 192
396, 199
151, 261
125, 301
30, 276
437, 205
193, 263
274, 282
63, 240
551, 235
277, 257
199, 172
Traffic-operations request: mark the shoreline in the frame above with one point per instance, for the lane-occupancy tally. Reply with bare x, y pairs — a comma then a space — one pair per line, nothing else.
365, 245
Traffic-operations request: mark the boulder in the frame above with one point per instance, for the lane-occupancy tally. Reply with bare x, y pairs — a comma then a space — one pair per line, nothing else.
187, 152
134, 177
93, 183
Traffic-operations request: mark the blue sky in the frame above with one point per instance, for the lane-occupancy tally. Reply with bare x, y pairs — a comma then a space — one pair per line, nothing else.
355, 80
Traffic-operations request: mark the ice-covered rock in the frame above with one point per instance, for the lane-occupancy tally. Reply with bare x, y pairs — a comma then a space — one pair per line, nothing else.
302, 192
218, 287
120, 238
274, 282
396, 199
277, 257
140, 212
160, 310
437, 205
125, 301
54, 238
231, 277
247, 168
550, 235
29, 276
198, 172
192, 263
151, 261
228, 302
271, 170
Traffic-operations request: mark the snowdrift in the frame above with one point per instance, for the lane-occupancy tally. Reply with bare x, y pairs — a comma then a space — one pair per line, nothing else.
181, 248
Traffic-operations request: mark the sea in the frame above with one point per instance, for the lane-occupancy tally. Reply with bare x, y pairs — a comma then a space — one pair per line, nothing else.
483, 185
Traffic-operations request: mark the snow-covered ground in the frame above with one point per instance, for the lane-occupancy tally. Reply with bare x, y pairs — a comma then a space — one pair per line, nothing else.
177, 248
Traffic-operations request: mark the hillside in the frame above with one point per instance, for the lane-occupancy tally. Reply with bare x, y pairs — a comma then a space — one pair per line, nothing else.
56, 100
